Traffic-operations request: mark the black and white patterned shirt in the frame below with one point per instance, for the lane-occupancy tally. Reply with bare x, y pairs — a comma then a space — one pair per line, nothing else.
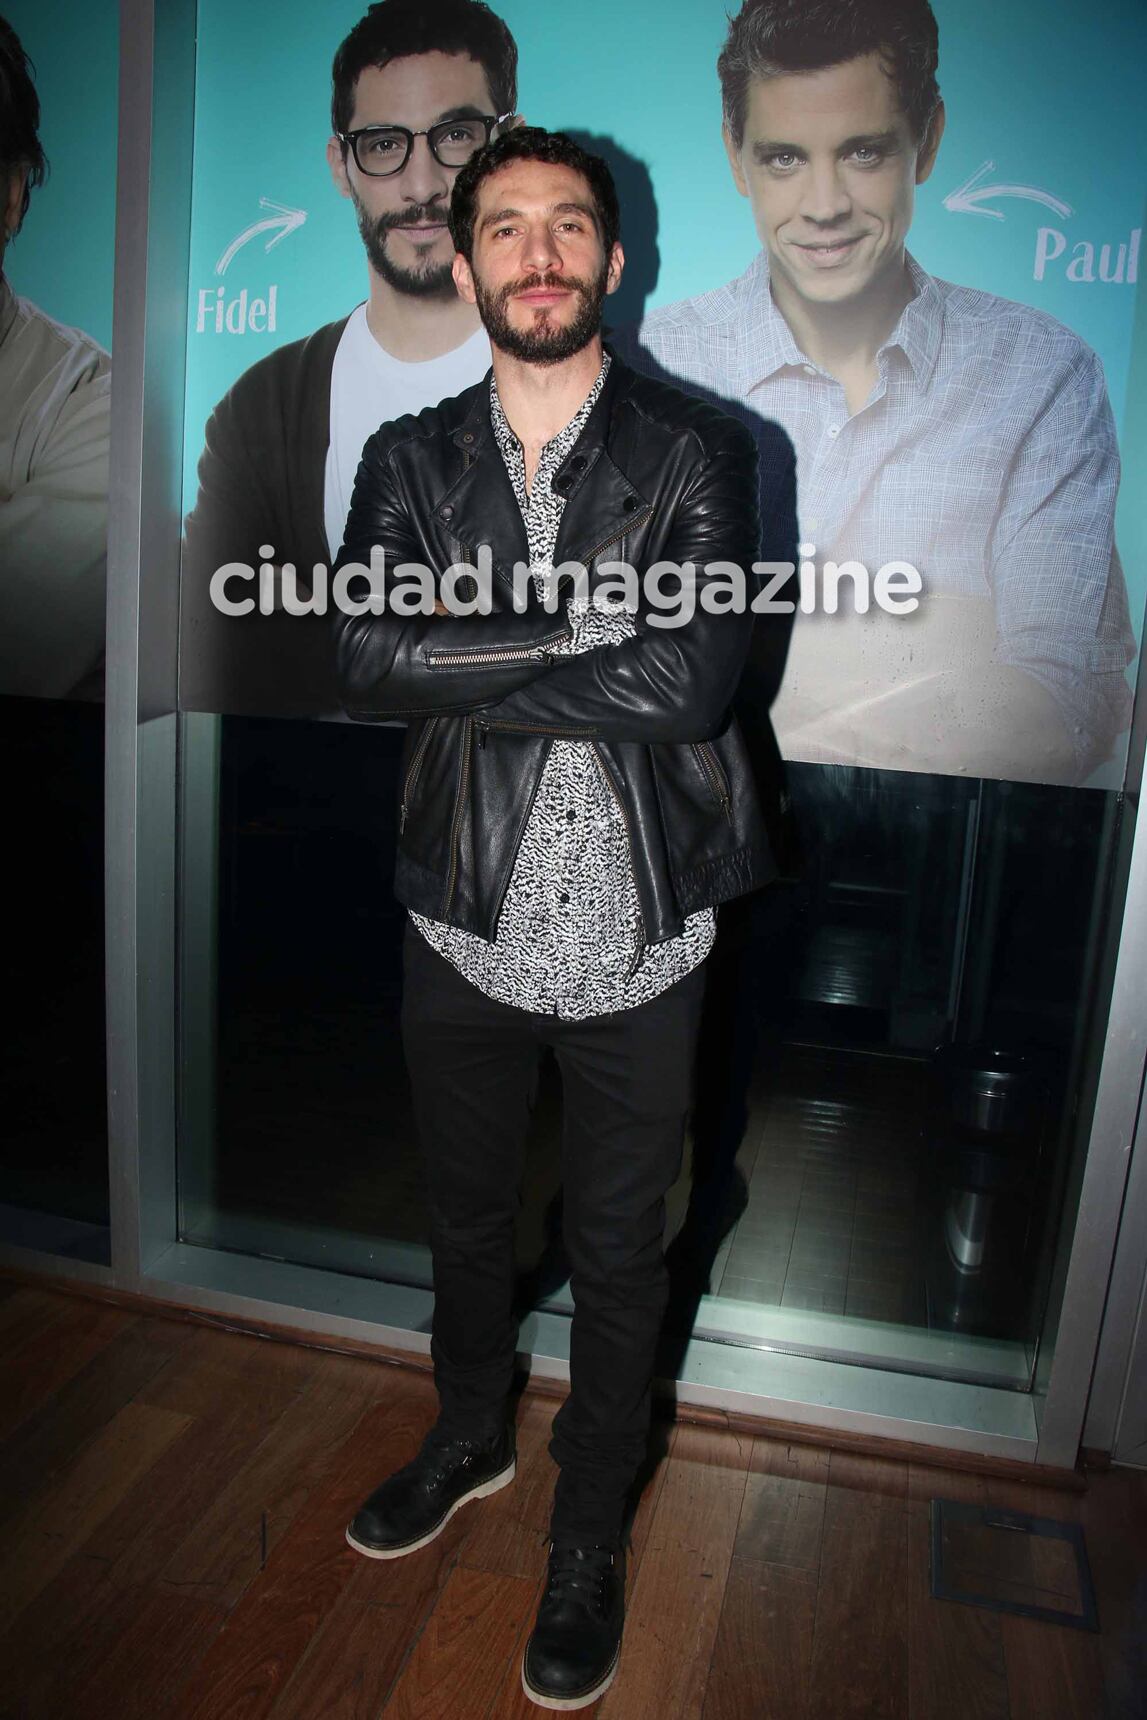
569, 939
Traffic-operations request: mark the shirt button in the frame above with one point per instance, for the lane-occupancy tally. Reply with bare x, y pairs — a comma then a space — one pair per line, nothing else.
810, 369
446, 513
571, 815
564, 896
834, 429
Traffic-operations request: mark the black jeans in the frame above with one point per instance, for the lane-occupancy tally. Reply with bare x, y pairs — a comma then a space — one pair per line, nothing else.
626, 1081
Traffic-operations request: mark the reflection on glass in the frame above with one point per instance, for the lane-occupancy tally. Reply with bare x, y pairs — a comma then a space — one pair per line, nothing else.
54, 418
887, 1074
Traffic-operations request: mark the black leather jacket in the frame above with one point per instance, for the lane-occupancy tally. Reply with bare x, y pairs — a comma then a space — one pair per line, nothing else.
655, 475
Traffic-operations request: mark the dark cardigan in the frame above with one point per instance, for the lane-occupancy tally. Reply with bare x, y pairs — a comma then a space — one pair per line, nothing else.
261, 479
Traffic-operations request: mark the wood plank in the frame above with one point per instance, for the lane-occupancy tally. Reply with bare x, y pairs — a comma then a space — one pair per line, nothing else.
214, 1363
31, 1309
956, 1653
677, 1598
353, 1659
458, 1666
250, 1664
51, 1353
782, 1519
1115, 1527
179, 1494
860, 1644
45, 1536
54, 1433
1054, 1673
287, 1462
760, 1667
161, 1640
38, 1679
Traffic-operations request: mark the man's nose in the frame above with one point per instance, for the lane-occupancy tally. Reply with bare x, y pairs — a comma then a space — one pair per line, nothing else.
540, 251
423, 178
824, 195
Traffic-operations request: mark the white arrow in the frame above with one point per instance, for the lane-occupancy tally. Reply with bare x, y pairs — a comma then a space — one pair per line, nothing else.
286, 221
969, 197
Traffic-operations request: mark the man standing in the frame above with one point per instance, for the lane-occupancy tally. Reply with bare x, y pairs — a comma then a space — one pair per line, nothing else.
576, 800
964, 434
417, 87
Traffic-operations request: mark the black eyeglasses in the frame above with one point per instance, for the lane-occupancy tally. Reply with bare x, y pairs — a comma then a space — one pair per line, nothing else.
380, 150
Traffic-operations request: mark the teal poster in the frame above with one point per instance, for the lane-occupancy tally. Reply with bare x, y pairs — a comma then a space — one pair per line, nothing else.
986, 458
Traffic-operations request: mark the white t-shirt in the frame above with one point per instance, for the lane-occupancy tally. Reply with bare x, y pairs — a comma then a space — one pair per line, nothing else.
369, 388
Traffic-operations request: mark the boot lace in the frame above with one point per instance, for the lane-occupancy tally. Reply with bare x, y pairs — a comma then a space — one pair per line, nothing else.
442, 1454
579, 1574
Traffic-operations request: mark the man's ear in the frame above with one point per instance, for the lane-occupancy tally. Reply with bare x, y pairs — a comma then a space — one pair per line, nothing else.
734, 155
929, 149
336, 161
616, 265
464, 279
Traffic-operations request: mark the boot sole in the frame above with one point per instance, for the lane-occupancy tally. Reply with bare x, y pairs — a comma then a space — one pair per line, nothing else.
565, 1704
482, 1491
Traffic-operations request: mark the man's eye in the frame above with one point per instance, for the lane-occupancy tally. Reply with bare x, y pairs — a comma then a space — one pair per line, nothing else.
381, 145
783, 161
867, 155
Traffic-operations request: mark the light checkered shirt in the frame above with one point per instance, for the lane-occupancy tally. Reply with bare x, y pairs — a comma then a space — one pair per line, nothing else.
985, 456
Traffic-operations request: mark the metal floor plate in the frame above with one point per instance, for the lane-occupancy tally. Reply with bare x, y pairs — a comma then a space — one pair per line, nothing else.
1011, 1562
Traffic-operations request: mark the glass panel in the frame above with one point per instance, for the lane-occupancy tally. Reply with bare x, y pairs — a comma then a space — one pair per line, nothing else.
889, 1114
59, 82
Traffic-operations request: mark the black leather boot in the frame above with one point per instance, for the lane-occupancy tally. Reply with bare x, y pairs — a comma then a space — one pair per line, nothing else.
572, 1655
415, 1504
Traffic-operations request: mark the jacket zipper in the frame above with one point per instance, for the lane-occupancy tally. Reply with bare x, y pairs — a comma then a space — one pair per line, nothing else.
412, 774
631, 524
714, 775
537, 729
456, 822
499, 654
639, 952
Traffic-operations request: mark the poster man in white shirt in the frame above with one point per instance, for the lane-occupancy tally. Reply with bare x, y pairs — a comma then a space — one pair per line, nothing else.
418, 86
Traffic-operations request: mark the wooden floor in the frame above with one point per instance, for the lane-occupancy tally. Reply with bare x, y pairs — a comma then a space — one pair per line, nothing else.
174, 1504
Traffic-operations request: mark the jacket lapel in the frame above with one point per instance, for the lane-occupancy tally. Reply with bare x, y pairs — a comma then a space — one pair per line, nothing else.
602, 505
601, 502
480, 507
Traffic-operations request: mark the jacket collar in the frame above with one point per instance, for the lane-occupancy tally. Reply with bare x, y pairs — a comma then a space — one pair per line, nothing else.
601, 503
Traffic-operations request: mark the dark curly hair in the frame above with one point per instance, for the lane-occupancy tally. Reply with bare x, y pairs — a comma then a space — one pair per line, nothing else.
771, 36
19, 116
532, 143
394, 29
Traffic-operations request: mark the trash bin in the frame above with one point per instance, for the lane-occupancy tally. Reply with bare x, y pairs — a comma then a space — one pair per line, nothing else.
985, 1127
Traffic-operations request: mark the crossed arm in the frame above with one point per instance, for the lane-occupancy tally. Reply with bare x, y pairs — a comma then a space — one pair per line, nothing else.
665, 684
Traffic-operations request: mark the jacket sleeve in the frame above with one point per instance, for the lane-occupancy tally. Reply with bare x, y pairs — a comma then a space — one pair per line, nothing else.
668, 683
397, 664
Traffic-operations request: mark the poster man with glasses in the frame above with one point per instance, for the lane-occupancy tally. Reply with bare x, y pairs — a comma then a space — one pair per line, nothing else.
417, 89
